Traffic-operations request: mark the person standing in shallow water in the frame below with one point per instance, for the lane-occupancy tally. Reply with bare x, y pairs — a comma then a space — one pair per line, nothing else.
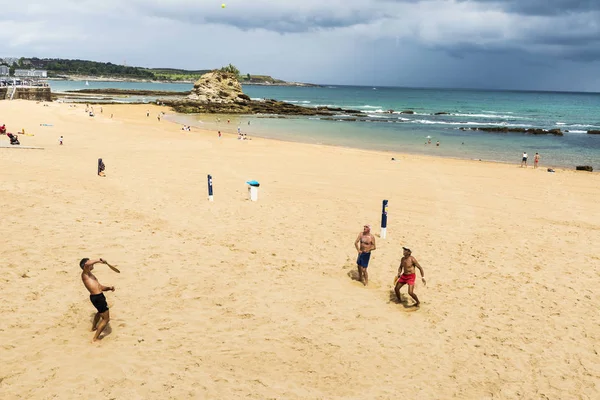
536, 160
524, 160
365, 244
97, 298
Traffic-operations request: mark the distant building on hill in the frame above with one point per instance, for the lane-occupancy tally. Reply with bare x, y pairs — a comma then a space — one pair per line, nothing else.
31, 73
4, 70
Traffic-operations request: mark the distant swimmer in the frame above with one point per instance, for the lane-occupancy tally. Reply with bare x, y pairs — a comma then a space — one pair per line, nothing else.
97, 298
365, 244
407, 275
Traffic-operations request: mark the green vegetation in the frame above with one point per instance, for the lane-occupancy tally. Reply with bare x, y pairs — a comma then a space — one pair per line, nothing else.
172, 74
58, 67
259, 79
231, 69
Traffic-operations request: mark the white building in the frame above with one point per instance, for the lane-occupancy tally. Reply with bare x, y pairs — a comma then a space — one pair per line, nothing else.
4, 70
31, 73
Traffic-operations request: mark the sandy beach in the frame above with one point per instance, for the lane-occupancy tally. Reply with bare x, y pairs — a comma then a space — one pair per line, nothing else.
239, 299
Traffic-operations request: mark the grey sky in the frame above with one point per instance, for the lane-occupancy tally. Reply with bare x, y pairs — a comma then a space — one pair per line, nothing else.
512, 44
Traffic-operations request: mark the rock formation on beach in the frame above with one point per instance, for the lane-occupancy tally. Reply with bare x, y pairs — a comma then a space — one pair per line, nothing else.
218, 87
220, 92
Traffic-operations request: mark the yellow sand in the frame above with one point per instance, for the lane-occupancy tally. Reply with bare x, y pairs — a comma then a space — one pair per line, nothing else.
240, 299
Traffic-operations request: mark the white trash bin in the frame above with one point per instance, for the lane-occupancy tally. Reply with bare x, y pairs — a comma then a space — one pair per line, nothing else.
253, 190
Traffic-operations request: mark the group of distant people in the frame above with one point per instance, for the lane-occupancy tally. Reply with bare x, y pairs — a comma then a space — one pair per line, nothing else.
536, 160
365, 244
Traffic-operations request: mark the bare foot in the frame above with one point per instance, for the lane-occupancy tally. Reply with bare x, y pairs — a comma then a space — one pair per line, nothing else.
416, 305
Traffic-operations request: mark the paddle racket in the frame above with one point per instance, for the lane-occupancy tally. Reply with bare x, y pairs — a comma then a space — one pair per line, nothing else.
112, 267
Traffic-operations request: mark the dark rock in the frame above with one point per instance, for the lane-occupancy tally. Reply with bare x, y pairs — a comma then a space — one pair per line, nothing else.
441, 113
505, 129
407, 112
130, 92
594, 132
584, 168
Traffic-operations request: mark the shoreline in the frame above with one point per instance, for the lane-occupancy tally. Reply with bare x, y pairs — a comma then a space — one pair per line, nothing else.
390, 153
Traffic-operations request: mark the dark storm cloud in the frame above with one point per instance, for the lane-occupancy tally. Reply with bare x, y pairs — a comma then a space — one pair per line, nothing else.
543, 7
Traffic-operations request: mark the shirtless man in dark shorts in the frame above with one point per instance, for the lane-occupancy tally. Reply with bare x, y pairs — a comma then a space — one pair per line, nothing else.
96, 296
365, 244
407, 275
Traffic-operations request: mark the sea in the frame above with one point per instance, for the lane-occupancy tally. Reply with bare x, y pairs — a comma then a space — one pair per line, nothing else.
396, 132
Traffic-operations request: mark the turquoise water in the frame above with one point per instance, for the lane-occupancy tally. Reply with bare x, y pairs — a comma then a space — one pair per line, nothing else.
395, 132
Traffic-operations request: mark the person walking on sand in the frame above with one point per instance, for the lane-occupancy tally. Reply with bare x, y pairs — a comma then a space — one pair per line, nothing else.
365, 244
536, 160
60, 140
524, 160
407, 275
97, 298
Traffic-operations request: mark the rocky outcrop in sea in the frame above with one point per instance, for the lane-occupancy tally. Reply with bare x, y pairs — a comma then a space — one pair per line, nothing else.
219, 92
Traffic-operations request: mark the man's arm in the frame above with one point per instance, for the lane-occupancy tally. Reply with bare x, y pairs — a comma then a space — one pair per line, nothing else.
356, 243
89, 263
107, 288
373, 247
420, 269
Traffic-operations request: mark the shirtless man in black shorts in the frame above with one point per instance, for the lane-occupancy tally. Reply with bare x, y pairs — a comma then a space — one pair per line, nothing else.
96, 296
365, 244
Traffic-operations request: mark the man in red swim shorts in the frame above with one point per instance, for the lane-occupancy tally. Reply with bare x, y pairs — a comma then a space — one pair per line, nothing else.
407, 275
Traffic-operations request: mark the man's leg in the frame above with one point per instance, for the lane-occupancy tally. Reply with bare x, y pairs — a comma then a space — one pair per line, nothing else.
96, 319
360, 278
105, 318
411, 289
397, 290
366, 275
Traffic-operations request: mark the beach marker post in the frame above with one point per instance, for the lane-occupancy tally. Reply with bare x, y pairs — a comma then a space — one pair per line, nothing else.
253, 190
384, 219
210, 188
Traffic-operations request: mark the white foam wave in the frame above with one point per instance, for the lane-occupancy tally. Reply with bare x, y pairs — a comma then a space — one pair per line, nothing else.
368, 106
560, 123
429, 122
582, 126
499, 116
576, 131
